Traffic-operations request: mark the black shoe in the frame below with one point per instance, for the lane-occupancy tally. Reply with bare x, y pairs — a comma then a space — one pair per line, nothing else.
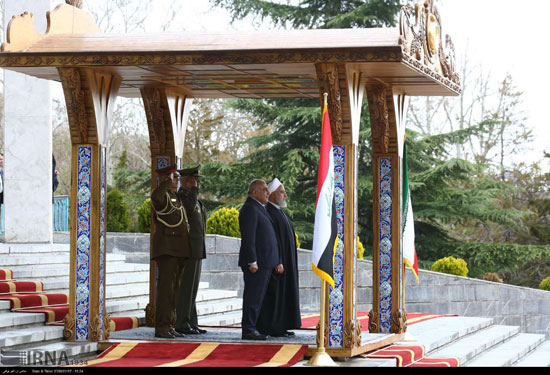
187, 331
290, 333
176, 333
199, 330
254, 336
164, 335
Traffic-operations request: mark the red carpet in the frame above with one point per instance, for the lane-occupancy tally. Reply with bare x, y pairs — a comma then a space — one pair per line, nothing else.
437, 362
8, 287
411, 356
310, 321
29, 297
28, 300
175, 354
121, 323
5, 275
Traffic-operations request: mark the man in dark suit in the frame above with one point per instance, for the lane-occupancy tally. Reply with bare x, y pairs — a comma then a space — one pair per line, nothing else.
170, 248
187, 322
258, 255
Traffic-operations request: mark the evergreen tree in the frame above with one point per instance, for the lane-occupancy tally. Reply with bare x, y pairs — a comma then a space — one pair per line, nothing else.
289, 149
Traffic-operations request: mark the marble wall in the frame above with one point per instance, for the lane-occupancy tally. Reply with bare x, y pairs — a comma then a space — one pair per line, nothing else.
27, 144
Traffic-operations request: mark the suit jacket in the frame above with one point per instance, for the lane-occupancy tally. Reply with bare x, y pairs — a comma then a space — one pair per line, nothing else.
196, 214
169, 239
258, 239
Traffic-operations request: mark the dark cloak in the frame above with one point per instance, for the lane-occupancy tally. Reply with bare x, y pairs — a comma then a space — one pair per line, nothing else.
281, 307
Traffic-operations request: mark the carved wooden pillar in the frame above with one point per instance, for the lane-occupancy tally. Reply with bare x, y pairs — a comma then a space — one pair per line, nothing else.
166, 118
345, 88
90, 97
387, 122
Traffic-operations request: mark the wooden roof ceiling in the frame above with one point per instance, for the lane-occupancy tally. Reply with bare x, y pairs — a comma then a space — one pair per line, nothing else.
266, 64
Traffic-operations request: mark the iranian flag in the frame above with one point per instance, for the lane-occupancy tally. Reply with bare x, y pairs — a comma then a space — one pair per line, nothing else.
325, 231
409, 249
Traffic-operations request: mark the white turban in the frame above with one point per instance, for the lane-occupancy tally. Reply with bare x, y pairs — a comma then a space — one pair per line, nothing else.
273, 185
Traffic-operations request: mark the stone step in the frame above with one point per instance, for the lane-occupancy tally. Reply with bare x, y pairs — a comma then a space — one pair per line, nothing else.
4, 305
10, 320
214, 294
223, 319
51, 258
436, 333
121, 308
43, 272
54, 354
509, 352
227, 305
34, 248
469, 347
25, 336
126, 291
62, 282
540, 357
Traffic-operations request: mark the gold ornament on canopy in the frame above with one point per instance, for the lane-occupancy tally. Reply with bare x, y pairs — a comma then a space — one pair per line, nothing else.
422, 43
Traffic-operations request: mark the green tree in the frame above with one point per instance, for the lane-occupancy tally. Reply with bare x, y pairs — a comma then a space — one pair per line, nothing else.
313, 14
117, 212
134, 185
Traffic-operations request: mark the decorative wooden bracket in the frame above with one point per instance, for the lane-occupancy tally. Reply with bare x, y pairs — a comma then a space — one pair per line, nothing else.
329, 82
380, 119
179, 106
104, 89
64, 19
76, 101
356, 90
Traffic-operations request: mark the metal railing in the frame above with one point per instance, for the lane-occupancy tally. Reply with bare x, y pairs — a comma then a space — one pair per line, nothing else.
60, 214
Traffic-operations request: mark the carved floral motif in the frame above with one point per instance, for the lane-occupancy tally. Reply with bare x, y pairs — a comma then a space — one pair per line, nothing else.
399, 321
423, 45
373, 321
106, 327
380, 119
68, 329
75, 98
155, 118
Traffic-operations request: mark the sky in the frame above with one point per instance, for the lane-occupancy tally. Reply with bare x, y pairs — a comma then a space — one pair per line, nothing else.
504, 36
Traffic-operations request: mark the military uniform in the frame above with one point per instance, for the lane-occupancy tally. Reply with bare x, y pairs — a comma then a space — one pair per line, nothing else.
187, 321
170, 248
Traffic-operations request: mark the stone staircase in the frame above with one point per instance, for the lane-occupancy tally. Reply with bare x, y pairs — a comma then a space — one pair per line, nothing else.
478, 342
127, 294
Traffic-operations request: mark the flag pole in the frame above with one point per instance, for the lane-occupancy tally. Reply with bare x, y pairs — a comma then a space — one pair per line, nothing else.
321, 358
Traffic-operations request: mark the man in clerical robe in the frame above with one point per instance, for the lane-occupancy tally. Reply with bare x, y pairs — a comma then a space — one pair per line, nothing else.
280, 311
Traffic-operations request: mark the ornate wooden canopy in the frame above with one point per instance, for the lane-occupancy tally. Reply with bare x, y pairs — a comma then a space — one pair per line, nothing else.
383, 65
263, 64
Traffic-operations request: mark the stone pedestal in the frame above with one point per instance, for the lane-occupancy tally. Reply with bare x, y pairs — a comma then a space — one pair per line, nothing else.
27, 145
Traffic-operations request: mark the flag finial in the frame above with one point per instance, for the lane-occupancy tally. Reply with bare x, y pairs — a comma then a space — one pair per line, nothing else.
325, 96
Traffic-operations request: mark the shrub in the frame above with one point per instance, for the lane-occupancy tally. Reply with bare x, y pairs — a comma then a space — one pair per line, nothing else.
144, 216
117, 212
224, 221
492, 276
545, 284
297, 240
451, 266
360, 249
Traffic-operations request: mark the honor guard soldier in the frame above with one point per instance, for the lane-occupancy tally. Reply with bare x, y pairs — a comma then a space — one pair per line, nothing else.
188, 193
170, 249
